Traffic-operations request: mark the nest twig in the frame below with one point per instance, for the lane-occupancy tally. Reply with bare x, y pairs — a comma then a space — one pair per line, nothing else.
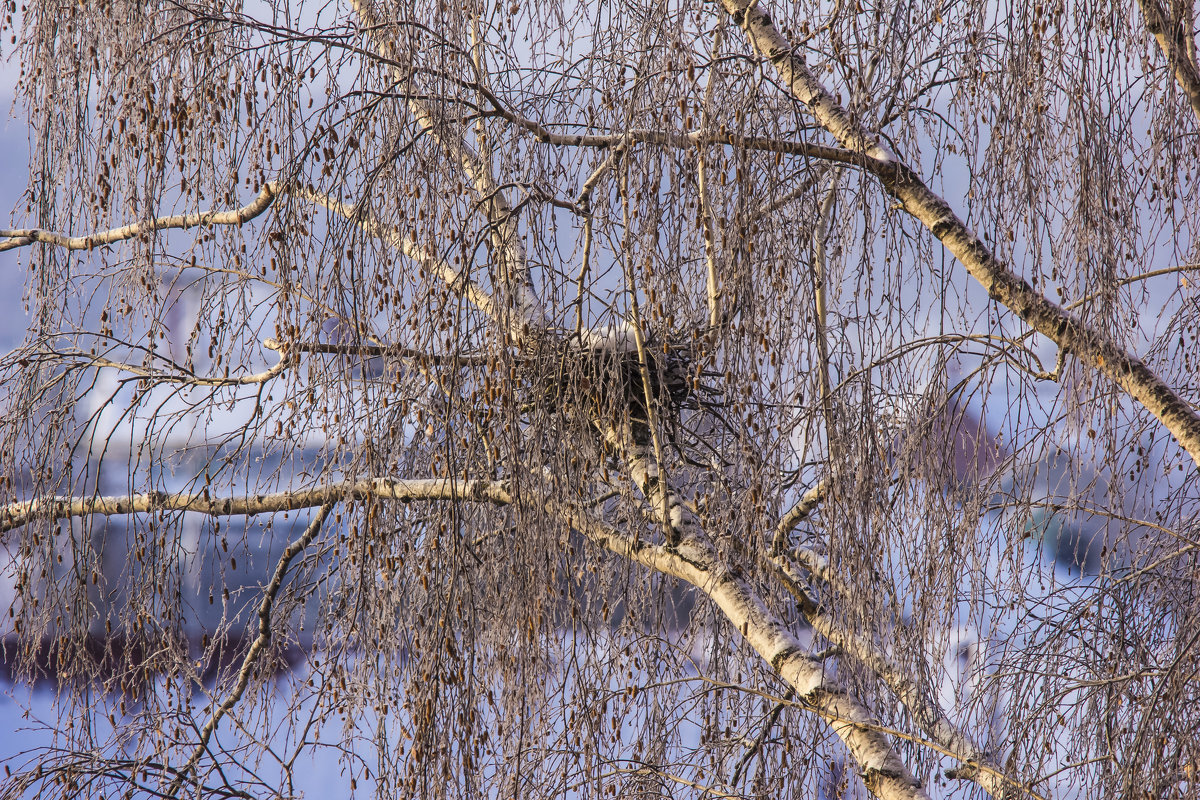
607, 383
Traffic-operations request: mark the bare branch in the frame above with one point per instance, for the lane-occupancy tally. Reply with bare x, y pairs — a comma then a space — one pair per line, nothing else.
695, 561
246, 671
238, 216
503, 223
1178, 46
917, 698
799, 512
457, 280
821, 300
1001, 283
686, 141
180, 375
366, 350
22, 512
713, 286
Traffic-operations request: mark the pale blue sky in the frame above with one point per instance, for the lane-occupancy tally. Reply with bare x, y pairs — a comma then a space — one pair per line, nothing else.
14, 167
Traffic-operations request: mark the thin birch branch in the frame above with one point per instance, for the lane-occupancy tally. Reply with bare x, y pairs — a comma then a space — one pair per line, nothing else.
21, 512
688, 140
370, 350
712, 285
502, 221
183, 376
584, 202
820, 291
1141, 276
801, 189
457, 280
207, 219
799, 512
664, 495
1023, 788
756, 745
266, 197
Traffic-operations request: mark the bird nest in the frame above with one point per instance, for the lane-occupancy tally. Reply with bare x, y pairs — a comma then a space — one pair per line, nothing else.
609, 385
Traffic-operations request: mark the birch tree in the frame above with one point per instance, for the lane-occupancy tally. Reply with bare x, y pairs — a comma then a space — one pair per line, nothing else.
738, 399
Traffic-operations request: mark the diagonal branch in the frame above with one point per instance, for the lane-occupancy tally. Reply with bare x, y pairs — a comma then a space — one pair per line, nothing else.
756, 746
926, 711
799, 512
454, 278
1003, 285
1178, 46
457, 280
695, 561
256, 647
502, 220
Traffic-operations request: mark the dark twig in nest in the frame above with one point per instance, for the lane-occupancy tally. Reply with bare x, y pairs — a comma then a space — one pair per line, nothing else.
606, 383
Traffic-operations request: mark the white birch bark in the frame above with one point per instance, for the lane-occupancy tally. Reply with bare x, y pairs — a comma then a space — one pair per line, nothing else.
1002, 284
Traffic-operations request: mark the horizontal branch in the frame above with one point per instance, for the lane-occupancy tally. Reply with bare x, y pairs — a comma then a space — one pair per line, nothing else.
22, 512
457, 281
183, 376
669, 138
237, 216
691, 139
368, 350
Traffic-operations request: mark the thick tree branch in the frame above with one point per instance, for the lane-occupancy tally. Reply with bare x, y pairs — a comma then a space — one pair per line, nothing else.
881, 768
698, 563
1001, 283
1179, 48
918, 699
